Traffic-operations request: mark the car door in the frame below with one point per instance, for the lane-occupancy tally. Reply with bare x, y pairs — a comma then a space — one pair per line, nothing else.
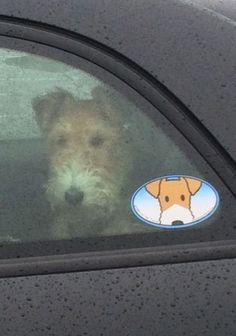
122, 274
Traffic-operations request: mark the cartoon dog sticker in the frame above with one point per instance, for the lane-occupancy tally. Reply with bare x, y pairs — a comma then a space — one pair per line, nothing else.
174, 195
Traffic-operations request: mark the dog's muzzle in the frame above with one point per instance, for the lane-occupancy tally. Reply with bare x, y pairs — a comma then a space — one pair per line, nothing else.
78, 187
74, 196
176, 215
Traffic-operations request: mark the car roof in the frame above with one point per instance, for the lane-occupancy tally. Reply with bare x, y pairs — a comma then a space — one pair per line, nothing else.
226, 8
187, 45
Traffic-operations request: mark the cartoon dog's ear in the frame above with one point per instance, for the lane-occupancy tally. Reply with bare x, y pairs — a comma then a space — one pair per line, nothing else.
193, 185
50, 106
153, 188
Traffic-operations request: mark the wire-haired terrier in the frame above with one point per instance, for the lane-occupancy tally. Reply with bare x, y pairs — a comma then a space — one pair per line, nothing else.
89, 163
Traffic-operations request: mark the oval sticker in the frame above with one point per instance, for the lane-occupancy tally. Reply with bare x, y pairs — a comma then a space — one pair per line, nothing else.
174, 202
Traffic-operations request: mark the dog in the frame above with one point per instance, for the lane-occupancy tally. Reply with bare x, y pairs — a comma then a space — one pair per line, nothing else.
174, 196
90, 164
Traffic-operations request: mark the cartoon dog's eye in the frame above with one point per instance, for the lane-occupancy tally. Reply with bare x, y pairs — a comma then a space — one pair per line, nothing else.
182, 197
97, 141
167, 198
61, 141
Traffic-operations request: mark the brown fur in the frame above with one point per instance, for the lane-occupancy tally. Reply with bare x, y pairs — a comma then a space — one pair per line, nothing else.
87, 152
174, 192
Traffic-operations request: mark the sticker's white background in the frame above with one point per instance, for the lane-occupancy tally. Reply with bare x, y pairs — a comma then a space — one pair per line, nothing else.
202, 203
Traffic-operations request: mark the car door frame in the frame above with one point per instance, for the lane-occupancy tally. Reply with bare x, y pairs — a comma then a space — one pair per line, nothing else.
178, 115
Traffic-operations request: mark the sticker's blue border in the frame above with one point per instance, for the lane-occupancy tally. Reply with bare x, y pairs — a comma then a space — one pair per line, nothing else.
175, 227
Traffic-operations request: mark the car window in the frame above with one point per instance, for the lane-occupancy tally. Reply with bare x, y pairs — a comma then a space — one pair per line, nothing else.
78, 147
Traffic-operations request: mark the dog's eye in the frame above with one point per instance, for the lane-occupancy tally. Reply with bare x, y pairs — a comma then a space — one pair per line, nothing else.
167, 198
182, 197
61, 141
97, 141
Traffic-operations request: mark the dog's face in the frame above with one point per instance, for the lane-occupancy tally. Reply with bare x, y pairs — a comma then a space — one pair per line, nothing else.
174, 198
86, 167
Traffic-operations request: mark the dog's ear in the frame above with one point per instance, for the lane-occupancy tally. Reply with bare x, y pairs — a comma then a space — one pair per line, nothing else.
104, 101
100, 94
50, 106
193, 185
153, 188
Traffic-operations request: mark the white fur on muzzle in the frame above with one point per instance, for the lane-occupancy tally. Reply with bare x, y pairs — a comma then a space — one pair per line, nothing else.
97, 189
176, 213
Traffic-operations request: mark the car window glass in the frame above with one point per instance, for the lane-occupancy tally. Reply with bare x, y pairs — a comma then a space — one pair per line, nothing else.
74, 148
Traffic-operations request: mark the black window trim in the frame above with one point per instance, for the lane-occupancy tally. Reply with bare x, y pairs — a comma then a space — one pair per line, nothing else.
173, 109
126, 258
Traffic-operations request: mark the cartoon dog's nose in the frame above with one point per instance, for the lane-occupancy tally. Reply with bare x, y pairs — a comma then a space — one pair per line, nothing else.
74, 196
177, 222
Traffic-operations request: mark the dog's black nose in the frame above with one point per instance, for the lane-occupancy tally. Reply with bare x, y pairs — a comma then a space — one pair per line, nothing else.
74, 196
177, 222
